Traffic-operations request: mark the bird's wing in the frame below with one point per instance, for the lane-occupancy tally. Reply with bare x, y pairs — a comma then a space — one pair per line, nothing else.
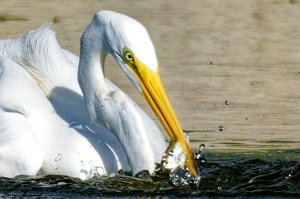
20, 152
39, 53
43, 116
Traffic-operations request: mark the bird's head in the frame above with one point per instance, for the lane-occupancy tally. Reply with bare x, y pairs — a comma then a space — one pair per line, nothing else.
130, 45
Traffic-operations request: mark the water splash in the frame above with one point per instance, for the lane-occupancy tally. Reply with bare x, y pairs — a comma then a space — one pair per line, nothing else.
223, 176
90, 170
174, 160
174, 157
95, 170
182, 177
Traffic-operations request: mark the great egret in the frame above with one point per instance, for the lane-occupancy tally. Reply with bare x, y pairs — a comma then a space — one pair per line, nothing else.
60, 115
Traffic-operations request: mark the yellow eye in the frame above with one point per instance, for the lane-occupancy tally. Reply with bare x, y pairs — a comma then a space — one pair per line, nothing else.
128, 56
129, 59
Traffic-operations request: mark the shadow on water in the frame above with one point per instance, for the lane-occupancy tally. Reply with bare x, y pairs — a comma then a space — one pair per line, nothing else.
272, 174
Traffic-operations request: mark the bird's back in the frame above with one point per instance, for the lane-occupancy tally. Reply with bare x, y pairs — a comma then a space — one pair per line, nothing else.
38, 83
38, 79
39, 53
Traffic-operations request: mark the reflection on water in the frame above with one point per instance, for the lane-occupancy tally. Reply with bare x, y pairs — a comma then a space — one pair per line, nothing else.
272, 174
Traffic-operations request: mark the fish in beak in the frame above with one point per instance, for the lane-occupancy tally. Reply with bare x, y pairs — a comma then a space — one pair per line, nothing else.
153, 91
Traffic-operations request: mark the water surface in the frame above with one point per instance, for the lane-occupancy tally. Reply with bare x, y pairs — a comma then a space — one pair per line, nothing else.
273, 174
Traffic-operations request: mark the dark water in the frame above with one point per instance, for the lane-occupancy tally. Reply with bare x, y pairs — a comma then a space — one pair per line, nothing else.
225, 175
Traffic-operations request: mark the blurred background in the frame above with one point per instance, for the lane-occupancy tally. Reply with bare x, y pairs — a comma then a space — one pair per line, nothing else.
231, 68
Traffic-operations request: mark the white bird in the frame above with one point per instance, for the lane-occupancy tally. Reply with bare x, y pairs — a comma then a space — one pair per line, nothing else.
60, 115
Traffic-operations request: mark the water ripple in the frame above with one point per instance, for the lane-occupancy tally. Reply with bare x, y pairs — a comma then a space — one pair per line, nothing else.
222, 175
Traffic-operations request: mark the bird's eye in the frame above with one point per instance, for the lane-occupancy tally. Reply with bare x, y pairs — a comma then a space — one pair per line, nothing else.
128, 56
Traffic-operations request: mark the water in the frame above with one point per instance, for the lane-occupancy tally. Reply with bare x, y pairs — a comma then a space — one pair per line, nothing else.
241, 175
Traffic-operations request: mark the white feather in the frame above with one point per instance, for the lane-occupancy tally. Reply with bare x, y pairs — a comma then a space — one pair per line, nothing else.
47, 126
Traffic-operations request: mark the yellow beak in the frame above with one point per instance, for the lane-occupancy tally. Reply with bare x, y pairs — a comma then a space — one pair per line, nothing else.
154, 93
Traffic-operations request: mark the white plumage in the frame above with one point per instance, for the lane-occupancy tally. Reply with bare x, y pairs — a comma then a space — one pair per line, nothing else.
52, 122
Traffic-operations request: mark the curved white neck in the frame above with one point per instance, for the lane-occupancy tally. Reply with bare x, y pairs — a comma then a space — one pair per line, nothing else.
91, 79
92, 55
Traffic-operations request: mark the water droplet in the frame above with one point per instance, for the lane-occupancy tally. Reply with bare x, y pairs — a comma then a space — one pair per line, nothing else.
221, 128
198, 89
58, 158
202, 147
200, 154
75, 125
219, 188
226, 102
290, 175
